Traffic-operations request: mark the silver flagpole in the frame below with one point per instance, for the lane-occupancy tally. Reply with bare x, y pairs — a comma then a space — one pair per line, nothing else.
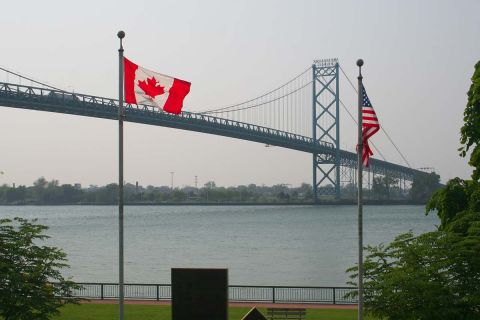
120, 35
360, 193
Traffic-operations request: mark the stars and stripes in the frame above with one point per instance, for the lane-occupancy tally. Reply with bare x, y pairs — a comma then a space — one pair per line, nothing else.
370, 126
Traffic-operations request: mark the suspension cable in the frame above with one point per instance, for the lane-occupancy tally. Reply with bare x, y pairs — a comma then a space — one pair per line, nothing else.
356, 122
241, 103
32, 80
259, 104
219, 110
381, 127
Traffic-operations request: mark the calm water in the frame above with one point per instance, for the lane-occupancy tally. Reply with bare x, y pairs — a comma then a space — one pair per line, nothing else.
260, 245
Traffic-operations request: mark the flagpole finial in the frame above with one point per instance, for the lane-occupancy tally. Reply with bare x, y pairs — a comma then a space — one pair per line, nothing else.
121, 35
360, 64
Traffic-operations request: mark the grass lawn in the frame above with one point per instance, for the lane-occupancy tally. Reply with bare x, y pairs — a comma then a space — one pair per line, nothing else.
152, 312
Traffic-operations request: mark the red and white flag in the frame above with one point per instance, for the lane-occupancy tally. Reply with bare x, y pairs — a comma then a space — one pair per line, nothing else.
143, 86
370, 126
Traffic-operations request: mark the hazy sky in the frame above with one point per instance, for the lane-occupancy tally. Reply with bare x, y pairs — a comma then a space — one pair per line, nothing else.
419, 57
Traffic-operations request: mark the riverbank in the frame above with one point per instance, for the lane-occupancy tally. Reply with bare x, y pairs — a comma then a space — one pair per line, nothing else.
342, 202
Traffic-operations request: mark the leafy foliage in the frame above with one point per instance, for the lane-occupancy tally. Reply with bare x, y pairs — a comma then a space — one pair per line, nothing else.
431, 276
379, 188
470, 132
31, 285
451, 200
51, 192
423, 186
388, 188
435, 275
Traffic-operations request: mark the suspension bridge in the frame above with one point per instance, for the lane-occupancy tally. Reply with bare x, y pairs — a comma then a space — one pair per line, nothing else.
303, 114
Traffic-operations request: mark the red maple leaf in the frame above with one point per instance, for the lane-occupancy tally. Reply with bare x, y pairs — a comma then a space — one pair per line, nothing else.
151, 87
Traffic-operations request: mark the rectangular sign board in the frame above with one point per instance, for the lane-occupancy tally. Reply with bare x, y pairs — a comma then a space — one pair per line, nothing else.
200, 294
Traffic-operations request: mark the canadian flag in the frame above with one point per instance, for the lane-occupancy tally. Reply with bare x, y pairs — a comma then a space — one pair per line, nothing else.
143, 86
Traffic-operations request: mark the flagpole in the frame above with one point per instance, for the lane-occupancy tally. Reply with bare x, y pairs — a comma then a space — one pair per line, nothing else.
120, 35
360, 193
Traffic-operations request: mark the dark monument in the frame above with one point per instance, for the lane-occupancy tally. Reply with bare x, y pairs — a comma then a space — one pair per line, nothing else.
254, 314
200, 294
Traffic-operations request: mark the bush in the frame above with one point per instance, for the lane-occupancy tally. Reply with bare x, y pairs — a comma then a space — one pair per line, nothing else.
31, 285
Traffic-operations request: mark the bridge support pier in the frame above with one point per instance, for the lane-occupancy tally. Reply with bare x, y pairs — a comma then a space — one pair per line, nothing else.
326, 127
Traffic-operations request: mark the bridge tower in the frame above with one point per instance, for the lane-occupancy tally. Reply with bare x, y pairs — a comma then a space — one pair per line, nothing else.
326, 126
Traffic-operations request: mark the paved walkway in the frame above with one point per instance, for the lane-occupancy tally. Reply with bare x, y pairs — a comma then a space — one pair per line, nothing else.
234, 304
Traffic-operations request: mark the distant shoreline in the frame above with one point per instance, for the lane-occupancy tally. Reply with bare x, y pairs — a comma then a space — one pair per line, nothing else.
320, 203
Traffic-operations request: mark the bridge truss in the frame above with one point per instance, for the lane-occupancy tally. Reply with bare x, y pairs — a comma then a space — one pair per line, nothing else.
278, 118
326, 125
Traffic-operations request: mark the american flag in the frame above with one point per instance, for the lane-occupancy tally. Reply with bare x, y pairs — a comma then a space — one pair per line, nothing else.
370, 126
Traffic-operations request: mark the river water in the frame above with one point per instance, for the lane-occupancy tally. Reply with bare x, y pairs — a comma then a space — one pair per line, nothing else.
260, 245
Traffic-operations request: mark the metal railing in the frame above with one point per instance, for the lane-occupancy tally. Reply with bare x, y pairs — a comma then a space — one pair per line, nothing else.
35, 98
271, 294
51, 96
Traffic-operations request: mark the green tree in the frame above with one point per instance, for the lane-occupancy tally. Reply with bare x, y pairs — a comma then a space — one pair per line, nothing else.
423, 186
379, 188
305, 191
31, 285
210, 185
52, 193
470, 131
107, 194
435, 275
70, 194
39, 187
431, 276
178, 195
451, 200
15, 195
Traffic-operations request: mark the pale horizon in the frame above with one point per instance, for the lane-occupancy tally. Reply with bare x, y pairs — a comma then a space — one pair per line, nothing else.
419, 57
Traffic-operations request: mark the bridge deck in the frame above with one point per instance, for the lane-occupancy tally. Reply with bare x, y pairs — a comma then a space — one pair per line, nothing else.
33, 98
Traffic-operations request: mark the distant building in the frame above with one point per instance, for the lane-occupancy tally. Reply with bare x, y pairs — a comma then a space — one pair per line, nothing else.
77, 186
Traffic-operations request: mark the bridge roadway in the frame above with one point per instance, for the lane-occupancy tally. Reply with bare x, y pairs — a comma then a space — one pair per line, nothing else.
33, 98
